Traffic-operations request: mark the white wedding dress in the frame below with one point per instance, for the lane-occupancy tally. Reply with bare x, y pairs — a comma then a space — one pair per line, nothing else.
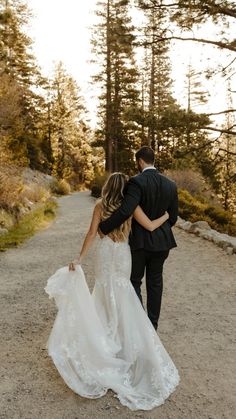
105, 340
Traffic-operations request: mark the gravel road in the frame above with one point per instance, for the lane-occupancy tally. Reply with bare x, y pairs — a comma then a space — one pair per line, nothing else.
197, 326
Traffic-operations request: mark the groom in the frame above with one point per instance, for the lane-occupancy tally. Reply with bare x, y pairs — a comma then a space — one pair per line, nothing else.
155, 194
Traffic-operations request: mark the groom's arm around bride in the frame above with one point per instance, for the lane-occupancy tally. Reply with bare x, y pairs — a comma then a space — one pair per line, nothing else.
156, 194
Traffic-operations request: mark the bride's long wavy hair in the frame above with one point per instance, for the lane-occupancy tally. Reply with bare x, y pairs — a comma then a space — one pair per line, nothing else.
111, 199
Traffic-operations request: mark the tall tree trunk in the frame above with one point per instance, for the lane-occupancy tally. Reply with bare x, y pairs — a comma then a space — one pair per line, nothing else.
143, 137
49, 125
116, 114
151, 130
108, 123
229, 162
188, 131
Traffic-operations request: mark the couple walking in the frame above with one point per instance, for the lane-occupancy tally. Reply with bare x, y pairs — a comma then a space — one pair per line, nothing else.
105, 340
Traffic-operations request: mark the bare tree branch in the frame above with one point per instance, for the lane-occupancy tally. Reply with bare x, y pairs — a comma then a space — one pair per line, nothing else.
227, 151
231, 62
155, 5
222, 112
230, 46
218, 9
223, 131
206, 7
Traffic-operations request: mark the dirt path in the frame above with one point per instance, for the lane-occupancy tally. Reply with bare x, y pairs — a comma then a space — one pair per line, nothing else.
197, 326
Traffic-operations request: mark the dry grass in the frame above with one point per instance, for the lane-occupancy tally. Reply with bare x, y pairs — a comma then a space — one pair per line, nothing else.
35, 220
16, 192
10, 187
33, 193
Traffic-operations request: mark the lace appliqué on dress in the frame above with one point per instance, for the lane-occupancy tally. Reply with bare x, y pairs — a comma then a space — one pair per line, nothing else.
105, 340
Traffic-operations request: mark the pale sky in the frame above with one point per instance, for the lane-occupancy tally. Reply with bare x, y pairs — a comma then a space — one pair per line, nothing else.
61, 31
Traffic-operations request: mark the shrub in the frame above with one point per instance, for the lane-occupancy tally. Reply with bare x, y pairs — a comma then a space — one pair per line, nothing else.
219, 215
193, 182
6, 219
96, 191
63, 187
189, 206
54, 186
97, 184
10, 189
192, 209
50, 208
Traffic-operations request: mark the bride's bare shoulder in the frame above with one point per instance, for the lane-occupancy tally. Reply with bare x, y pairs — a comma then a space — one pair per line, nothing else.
98, 206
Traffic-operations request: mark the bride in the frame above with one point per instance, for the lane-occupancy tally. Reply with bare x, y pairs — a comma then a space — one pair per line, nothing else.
106, 340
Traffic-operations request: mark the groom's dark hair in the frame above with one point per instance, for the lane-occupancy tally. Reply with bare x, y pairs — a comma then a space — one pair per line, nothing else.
146, 154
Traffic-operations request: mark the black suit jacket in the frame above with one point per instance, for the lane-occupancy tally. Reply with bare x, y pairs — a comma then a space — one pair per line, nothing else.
155, 194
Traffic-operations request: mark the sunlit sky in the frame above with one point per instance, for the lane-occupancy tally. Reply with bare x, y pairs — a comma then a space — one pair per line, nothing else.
61, 30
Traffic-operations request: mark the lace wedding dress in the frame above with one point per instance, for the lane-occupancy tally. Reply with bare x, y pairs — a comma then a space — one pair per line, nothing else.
105, 340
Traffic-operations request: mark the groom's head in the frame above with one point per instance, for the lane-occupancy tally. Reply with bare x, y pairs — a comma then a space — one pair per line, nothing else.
144, 157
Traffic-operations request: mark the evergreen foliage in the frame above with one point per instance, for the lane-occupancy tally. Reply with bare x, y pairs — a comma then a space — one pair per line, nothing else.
42, 122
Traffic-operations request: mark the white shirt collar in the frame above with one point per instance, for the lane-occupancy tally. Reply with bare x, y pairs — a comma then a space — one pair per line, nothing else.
148, 167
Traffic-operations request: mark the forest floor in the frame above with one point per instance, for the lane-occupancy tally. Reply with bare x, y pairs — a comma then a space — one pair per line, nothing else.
197, 326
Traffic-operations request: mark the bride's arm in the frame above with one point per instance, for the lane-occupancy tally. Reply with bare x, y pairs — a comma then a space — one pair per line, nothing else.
145, 222
90, 236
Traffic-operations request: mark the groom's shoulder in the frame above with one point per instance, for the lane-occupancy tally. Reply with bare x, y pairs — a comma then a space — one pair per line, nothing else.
140, 178
134, 183
136, 178
166, 180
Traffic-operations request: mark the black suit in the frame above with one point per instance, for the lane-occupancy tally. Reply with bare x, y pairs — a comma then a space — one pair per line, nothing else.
155, 194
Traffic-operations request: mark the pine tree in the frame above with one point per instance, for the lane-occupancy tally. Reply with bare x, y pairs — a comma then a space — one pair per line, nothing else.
118, 77
196, 95
158, 83
69, 134
18, 70
16, 58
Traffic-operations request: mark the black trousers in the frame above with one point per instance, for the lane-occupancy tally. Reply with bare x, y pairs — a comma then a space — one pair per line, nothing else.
153, 263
